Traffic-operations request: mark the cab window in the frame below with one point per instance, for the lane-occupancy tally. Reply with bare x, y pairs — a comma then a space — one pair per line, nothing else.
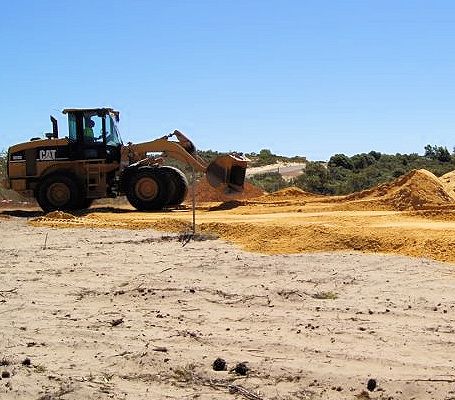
112, 136
72, 127
92, 126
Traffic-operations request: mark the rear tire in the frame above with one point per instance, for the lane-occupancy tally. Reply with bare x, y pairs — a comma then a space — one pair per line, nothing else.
178, 185
58, 192
147, 189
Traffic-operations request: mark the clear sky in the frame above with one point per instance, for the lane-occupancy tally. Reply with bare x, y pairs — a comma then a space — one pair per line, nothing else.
311, 78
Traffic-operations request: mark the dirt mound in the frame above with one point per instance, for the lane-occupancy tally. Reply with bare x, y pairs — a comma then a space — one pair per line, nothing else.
207, 193
290, 193
448, 181
416, 190
59, 215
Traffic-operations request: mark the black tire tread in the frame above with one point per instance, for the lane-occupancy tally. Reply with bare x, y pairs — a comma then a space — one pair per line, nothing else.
157, 203
177, 186
68, 179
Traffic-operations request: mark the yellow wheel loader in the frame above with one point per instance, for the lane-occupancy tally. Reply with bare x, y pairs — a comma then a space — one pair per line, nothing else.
92, 163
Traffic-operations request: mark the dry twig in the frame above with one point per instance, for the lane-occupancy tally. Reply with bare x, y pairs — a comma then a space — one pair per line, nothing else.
233, 389
8, 291
452, 380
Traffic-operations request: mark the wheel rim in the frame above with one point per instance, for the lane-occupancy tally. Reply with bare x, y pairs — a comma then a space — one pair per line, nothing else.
146, 189
58, 194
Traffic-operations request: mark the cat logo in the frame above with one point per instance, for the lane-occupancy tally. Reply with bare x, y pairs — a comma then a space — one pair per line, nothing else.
47, 155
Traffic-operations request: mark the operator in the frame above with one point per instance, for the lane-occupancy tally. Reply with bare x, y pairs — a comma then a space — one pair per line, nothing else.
88, 130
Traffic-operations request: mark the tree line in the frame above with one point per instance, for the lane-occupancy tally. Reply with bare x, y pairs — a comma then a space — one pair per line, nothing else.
344, 174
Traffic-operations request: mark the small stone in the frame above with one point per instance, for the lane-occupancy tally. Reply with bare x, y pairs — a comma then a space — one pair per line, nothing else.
371, 384
117, 322
161, 349
219, 365
241, 369
6, 374
27, 362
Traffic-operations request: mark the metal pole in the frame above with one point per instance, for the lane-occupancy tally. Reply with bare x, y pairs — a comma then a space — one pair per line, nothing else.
193, 178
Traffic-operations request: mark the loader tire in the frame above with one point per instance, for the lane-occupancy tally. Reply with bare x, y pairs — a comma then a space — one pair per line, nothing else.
147, 189
58, 192
177, 185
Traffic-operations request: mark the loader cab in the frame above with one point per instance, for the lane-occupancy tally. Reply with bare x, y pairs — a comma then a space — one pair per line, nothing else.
93, 134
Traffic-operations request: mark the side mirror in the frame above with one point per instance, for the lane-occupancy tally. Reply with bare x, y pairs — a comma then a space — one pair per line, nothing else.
54, 128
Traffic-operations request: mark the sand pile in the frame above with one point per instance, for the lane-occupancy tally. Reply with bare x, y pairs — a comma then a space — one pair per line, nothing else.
448, 181
59, 215
57, 219
206, 193
290, 193
416, 190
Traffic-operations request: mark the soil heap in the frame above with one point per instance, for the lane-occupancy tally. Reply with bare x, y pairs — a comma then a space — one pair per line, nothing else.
448, 181
289, 193
415, 190
58, 215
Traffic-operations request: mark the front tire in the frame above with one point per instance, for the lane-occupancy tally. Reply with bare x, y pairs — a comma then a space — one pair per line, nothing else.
147, 189
178, 185
58, 192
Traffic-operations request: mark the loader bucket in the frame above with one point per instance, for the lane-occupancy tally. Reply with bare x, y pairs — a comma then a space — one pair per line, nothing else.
227, 173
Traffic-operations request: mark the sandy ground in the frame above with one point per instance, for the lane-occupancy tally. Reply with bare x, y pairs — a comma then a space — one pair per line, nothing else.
132, 314
291, 227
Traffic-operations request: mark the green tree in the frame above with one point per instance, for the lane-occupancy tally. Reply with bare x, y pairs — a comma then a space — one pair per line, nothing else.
375, 154
429, 151
439, 153
266, 157
314, 178
270, 181
443, 155
340, 160
361, 161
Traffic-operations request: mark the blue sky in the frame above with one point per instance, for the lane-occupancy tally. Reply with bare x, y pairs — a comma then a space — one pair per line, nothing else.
312, 78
